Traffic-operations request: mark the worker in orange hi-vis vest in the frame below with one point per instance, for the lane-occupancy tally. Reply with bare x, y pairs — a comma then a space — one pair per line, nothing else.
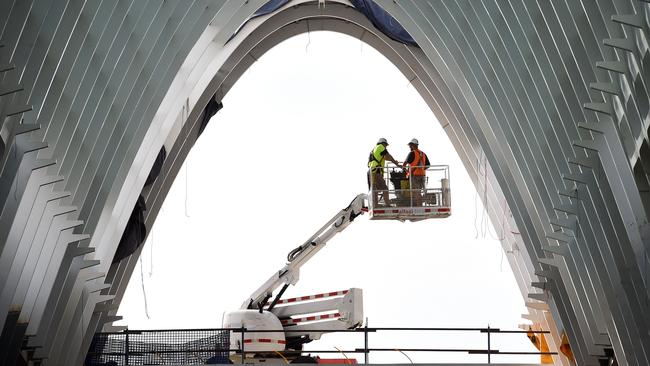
539, 341
417, 162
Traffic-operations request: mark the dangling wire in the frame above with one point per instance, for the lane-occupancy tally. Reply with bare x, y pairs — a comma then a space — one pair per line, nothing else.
645, 272
284, 358
343, 353
17, 172
187, 160
503, 220
479, 162
501, 264
478, 173
475, 214
502, 236
144, 293
151, 255
484, 214
83, 321
308, 37
402, 352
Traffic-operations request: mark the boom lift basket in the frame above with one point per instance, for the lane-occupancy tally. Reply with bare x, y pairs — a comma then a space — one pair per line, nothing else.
406, 201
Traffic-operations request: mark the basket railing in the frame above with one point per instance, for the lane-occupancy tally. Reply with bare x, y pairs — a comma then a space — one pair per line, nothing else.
403, 191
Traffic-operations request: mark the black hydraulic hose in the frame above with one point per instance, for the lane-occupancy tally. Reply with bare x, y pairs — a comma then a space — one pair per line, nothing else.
260, 305
294, 253
278, 296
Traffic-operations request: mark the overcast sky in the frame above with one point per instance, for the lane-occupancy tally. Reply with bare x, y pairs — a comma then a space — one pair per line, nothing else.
288, 150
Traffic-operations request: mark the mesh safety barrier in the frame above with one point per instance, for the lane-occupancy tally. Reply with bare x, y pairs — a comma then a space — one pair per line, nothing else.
169, 347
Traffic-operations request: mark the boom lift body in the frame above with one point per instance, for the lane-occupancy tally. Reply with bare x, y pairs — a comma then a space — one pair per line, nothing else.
289, 323
341, 310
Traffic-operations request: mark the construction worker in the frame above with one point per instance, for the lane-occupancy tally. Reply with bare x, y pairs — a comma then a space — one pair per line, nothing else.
376, 162
417, 162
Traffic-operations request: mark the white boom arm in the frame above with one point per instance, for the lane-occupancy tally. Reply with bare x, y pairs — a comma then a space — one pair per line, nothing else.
290, 273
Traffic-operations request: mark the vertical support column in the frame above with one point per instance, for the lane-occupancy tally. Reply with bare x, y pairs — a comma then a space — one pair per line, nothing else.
126, 348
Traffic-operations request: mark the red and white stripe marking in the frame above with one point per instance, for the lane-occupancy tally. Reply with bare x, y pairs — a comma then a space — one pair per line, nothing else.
264, 340
295, 321
426, 210
312, 297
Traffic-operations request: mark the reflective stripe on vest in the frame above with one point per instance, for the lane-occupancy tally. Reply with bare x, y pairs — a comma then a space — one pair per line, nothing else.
417, 167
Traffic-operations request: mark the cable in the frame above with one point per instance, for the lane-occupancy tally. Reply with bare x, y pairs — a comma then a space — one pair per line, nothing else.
284, 358
501, 264
144, 293
294, 253
645, 272
503, 225
17, 172
83, 306
478, 171
343, 353
503, 219
151, 255
187, 160
484, 226
400, 351
308, 37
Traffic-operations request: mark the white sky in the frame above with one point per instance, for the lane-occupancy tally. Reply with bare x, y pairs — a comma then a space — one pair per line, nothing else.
288, 150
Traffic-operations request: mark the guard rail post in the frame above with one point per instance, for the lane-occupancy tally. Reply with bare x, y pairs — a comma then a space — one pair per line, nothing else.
365, 344
126, 348
243, 330
489, 350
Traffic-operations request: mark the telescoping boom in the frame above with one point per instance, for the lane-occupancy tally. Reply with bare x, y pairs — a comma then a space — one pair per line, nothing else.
290, 273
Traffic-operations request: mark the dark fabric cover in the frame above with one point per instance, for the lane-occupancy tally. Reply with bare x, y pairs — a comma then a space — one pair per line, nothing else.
134, 233
210, 110
157, 166
383, 21
267, 8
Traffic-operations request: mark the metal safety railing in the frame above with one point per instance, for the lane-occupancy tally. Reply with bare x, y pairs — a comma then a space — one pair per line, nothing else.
212, 346
396, 188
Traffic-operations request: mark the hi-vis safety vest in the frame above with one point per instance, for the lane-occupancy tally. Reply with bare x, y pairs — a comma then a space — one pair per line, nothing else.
418, 166
376, 160
540, 343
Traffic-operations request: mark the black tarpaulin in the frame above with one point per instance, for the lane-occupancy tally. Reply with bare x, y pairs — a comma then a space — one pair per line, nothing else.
134, 233
157, 166
210, 110
383, 21
267, 8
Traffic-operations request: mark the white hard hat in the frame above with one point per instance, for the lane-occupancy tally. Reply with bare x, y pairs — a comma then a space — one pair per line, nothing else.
414, 142
382, 141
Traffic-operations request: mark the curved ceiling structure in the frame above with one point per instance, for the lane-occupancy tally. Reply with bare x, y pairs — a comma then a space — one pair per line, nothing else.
546, 103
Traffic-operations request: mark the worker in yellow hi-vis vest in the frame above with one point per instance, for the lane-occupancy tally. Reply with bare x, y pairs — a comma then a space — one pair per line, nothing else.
376, 162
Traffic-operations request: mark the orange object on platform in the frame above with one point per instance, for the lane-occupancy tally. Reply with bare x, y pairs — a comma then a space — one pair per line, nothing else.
344, 361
